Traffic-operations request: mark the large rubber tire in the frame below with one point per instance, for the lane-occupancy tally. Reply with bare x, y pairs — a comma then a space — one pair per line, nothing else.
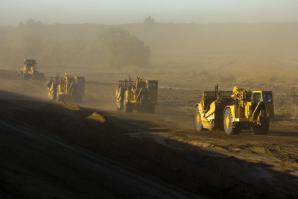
60, 98
147, 108
64, 99
198, 121
25, 76
119, 99
229, 127
119, 103
127, 108
263, 128
151, 109
51, 95
77, 99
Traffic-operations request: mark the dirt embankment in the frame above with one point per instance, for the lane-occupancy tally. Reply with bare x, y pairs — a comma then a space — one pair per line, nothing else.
135, 144
41, 155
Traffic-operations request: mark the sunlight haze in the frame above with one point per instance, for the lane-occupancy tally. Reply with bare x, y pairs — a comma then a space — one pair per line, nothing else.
13, 12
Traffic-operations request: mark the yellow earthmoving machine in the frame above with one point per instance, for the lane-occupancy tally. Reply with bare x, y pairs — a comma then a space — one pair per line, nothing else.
235, 110
209, 111
67, 89
29, 71
140, 95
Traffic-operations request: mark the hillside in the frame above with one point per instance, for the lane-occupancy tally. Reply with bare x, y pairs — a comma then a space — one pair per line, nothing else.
220, 47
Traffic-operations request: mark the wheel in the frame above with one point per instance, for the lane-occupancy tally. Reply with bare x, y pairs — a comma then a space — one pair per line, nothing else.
41, 76
60, 98
211, 125
151, 109
63, 98
127, 108
119, 100
77, 99
119, 105
263, 128
198, 121
229, 127
51, 95
147, 108
25, 76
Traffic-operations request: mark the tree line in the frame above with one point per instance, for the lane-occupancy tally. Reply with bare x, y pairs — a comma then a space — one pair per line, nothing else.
60, 45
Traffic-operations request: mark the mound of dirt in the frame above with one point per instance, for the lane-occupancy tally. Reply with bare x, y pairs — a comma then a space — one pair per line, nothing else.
36, 163
53, 150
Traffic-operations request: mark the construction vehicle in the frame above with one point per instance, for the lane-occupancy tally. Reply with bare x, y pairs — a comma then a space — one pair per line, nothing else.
235, 110
209, 111
140, 95
67, 89
29, 71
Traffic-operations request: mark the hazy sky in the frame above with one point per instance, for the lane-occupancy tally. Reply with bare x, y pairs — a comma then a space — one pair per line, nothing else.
126, 11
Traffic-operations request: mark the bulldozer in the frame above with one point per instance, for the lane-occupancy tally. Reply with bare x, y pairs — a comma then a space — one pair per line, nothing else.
67, 89
236, 110
29, 71
140, 95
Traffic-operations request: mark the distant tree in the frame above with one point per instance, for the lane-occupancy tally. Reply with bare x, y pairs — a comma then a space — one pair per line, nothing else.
33, 23
120, 48
149, 20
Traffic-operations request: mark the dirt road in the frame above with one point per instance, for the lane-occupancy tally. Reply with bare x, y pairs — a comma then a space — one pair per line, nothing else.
34, 165
278, 150
165, 147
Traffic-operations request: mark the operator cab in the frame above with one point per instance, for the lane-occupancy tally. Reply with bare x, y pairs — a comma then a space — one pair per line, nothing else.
211, 96
29, 62
262, 96
152, 84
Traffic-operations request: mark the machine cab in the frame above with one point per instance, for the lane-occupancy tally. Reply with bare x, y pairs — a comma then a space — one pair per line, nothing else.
263, 96
152, 84
29, 65
211, 96
29, 62
152, 88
